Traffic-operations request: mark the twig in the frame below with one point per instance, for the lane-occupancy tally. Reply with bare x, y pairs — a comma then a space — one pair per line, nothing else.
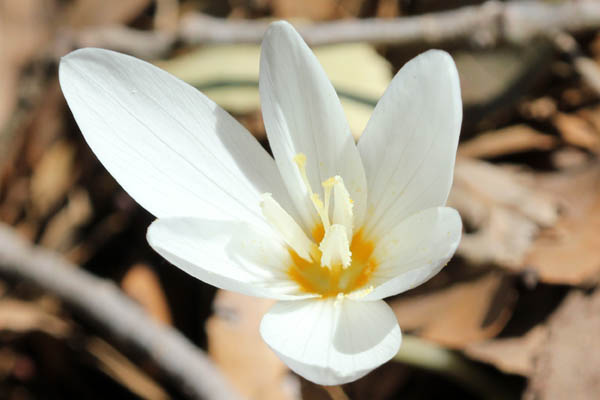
431, 357
104, 303
515, 22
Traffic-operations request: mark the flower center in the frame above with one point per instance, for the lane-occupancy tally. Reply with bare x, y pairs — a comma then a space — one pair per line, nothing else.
338, 259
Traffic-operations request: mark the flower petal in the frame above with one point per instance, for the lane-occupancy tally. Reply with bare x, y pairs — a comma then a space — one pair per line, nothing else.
228, 255
409, 145
303, 114
171, 148
331, 342
414, 251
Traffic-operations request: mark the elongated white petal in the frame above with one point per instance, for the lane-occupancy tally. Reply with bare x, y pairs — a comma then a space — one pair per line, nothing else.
409, 145
303, 114
285, 225
331, 342
414, 251
227, 255
171, 148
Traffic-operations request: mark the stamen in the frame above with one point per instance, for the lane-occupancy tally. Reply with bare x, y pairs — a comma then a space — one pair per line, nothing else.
321, 210
290, 231
300, 160
335, 248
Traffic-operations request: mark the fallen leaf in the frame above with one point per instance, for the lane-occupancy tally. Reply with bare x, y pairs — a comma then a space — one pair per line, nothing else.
52, 177
577, 131
568, 364
510, 140
503, 208
514, 355
461, 314
235, 344
539, 109
569, 252
21, 316
142, 284
61, 230
86, 13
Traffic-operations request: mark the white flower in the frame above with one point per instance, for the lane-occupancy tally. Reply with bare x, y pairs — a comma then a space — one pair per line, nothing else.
328, 228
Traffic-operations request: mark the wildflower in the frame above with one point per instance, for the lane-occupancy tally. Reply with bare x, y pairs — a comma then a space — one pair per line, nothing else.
328, 228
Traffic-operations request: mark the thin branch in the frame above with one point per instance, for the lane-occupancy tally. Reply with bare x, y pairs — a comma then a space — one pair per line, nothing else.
515, 22
103, 302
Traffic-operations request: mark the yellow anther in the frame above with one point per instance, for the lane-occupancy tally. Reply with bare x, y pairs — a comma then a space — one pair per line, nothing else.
300, 160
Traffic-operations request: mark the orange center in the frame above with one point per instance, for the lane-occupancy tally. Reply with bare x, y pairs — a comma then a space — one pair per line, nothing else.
313, 278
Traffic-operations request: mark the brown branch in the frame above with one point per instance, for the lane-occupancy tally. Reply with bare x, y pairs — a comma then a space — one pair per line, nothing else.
515, 22
101, 301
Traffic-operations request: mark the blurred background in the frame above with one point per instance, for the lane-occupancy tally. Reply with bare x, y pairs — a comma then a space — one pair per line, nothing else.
516, 314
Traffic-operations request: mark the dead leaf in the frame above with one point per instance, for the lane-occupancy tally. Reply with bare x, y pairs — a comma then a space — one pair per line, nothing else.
503, 207
21, 316
463, 313
93, 13
143, 285
515, 355
510, 140
569, 252
577, 131
568, 365
539, 109
60, 231
235, 344
52, 177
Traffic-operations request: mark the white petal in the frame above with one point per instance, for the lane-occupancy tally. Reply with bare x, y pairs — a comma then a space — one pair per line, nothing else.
331, 342
409, 145
171, 148
227, 255
414, 251
303, 114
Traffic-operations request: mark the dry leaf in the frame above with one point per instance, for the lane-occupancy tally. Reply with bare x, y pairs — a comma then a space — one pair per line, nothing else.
21, 316
503, 207
568, 253
511, 355
577, 131
513, 139
464, 313
568, 365
93, 13
235, 344
61, 229
539, 109
143, 285
52, 177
